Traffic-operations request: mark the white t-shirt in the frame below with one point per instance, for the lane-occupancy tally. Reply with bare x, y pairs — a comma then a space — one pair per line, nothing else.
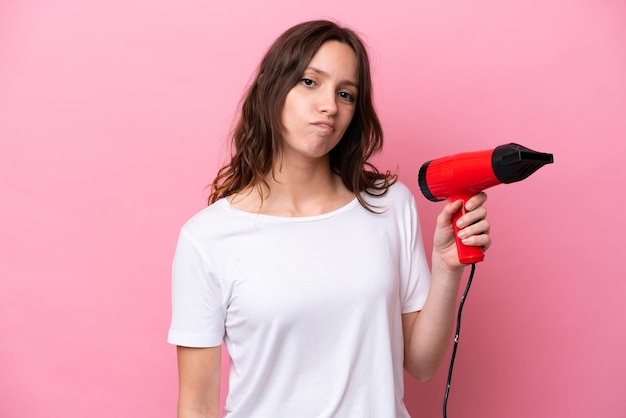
309, 308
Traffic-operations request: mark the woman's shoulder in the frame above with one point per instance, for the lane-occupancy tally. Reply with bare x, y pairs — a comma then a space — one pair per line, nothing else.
397, 190
400, 189
209, 218
393, 198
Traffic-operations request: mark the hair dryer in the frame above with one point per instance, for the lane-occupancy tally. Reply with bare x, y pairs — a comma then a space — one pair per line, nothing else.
463, 175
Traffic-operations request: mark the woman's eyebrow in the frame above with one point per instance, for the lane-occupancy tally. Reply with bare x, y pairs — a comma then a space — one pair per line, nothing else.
325, 74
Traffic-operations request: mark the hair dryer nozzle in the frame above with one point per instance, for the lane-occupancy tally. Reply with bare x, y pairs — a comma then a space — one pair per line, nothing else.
513, 162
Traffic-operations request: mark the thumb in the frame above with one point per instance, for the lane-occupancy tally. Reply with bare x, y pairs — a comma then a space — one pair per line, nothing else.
445, 217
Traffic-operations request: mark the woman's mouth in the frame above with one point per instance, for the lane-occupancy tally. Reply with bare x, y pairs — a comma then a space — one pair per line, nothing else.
326, 126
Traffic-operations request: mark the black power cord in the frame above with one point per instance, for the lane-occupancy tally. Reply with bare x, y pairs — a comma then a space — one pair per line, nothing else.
456, 340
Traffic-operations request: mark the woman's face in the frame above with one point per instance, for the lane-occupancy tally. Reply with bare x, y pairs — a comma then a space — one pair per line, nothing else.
318, 110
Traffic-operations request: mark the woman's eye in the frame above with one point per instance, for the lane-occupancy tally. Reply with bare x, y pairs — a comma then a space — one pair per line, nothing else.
346, 96
307, 82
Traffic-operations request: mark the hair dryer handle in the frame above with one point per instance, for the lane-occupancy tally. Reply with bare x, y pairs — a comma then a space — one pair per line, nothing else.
467, 254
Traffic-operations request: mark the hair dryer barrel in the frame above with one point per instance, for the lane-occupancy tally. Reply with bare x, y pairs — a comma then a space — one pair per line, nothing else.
463, 175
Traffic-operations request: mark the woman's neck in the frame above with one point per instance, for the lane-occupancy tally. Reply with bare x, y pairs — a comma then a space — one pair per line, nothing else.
297, 190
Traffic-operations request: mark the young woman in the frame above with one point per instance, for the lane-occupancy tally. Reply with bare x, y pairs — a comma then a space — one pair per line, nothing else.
308, 262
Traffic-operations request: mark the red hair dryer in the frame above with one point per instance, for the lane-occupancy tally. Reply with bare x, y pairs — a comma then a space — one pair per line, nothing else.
461, 176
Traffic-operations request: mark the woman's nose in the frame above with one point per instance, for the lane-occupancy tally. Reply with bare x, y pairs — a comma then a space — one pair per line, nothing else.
328, 102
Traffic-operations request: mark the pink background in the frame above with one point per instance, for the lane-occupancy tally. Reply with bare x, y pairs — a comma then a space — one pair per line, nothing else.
112, 120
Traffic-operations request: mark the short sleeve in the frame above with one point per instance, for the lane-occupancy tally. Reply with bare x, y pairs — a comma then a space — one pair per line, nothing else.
198, 314
415, 289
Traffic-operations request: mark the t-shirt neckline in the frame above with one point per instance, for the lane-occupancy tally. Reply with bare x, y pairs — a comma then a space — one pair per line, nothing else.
278, 218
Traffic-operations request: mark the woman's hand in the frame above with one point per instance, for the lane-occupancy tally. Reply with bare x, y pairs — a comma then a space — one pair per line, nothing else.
474, 230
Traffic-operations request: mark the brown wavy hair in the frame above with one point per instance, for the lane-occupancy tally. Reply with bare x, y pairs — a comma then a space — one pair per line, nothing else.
257, 139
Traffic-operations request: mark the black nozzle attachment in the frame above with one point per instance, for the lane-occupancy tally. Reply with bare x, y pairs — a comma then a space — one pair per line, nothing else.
513, 162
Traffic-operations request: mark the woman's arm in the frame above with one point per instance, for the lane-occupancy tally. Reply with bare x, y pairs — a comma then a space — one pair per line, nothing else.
427, 333
199, 371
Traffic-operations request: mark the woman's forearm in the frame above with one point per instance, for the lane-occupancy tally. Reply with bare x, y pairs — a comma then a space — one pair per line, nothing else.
431, 328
